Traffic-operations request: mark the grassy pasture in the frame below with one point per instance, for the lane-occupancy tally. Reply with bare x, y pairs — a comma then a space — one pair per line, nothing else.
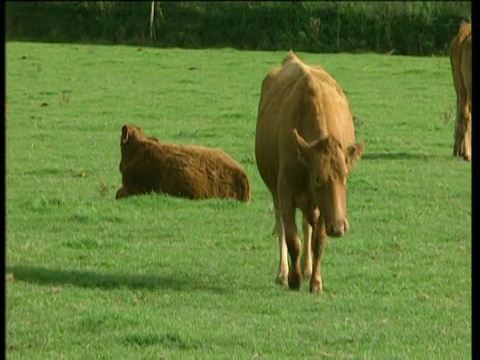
154, 277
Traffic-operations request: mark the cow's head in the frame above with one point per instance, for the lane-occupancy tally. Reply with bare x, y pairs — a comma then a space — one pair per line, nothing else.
329, 165
129, 132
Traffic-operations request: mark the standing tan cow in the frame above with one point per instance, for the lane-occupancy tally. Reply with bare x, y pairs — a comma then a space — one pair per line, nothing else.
305, 148
461, 62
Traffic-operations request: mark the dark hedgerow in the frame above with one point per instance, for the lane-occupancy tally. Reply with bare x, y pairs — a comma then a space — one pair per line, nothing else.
406, 28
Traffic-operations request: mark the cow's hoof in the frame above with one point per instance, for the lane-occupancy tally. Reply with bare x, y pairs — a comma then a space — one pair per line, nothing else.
281, 280
307, 273
294, 281
316, 287
456, 151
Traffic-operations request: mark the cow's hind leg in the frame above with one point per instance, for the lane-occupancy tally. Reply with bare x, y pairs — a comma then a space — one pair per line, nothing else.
293, 242
462, 147
310, 218
467, 132
319, 242
307, 248
461, 94
459, 132
282, 274
466, 70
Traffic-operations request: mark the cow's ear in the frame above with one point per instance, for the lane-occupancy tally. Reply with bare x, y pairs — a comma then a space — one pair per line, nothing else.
303, 149
354, 152
125, 134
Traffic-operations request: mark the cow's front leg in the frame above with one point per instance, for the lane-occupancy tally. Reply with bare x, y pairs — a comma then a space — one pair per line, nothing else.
319, 242
121, 193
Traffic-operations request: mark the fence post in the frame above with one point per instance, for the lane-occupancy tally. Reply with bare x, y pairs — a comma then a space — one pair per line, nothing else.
152, 17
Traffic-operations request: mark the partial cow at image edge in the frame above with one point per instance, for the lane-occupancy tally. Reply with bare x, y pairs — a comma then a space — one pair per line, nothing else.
461, 63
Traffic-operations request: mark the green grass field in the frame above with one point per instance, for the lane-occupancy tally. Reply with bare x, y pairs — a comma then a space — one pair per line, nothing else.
155, 277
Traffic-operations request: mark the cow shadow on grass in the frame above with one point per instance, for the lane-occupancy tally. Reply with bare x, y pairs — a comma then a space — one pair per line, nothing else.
90, 279
399, 156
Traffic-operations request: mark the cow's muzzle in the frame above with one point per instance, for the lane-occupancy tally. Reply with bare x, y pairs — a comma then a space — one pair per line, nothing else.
337, 229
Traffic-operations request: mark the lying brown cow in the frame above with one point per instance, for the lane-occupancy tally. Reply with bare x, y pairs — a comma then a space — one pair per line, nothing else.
305, 148
192, 172
461, 62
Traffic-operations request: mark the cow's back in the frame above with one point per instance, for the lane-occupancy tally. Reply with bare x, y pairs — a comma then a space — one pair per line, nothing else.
275, 89
460, 52
467, 63
303, 97
321, 109
464, 31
